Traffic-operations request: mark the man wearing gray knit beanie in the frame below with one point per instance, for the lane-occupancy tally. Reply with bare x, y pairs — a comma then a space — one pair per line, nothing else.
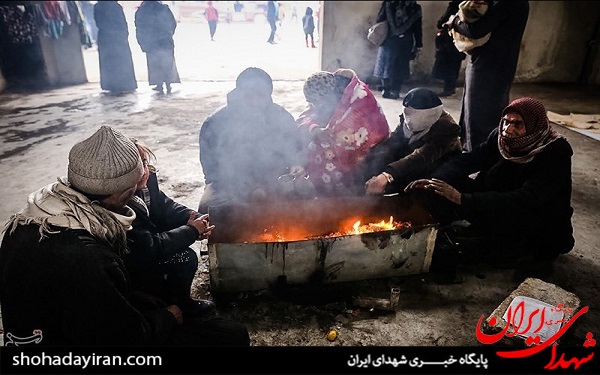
61, 264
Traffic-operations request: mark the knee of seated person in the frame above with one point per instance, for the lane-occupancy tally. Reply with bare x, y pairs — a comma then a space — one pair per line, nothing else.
191, 261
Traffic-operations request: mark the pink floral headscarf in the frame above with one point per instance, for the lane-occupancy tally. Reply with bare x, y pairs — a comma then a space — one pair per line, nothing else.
356, 125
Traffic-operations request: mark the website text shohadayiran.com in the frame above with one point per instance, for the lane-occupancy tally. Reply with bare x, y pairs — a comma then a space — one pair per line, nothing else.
84, 361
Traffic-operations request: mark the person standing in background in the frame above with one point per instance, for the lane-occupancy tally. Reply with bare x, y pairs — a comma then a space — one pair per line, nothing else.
272, 18
87, 10
155, 26
116, 64
212, 17
448, 59
491, 68
403, 43
308, 24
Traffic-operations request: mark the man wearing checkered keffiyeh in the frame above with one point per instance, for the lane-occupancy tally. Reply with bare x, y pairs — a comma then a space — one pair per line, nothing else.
519, 205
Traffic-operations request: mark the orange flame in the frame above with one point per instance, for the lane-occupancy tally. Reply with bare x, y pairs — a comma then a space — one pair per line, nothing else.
274, 235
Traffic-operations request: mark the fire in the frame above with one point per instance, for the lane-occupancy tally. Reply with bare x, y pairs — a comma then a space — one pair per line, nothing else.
371, 227
274, 235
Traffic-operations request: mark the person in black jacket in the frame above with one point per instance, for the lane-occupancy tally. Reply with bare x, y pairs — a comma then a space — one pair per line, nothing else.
117, 73
426, 136
155, 26
403, 43
64, 282
160, 260
308, 26
272, 18
246, 145
491, 67
519, 205
448, 59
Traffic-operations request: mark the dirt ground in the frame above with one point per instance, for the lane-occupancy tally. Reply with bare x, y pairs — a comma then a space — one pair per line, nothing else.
37, 131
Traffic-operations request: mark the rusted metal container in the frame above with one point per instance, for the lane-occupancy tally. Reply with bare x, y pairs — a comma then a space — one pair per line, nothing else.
240, 261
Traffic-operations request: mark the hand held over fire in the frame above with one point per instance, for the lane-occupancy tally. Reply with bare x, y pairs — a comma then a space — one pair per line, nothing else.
439, 187
200, 222
376, 184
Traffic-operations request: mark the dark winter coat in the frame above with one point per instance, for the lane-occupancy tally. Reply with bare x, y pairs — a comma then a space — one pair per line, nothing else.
407, 162
517, 202
395, 53
116, 64
163, 233
272, 11
447, 58
75, 290
308, 22
155, 26
244, 148
491, 68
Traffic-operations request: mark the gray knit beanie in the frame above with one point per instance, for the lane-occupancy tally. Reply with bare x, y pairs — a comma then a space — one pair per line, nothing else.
105, 163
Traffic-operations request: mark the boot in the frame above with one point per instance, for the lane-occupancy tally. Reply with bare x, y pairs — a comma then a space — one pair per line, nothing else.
313, 45
202, 308
385, 88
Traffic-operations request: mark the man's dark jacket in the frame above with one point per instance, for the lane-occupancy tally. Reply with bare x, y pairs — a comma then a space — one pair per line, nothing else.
74, 289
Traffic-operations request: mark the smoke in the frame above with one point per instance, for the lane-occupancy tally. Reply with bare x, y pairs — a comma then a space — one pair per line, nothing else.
247, 145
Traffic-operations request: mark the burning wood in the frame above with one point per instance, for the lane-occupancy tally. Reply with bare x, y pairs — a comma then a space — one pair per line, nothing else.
274, 235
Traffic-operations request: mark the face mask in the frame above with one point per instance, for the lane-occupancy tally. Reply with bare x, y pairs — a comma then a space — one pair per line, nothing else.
419, 120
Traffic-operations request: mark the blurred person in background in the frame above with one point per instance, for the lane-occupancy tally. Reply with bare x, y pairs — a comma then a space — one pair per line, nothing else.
448, 58
308, 25
116, 64
155, 26
403, 43
272, 18
212, 17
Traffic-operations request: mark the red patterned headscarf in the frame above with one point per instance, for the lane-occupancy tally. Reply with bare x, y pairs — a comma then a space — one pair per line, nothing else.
538, 131
355, 124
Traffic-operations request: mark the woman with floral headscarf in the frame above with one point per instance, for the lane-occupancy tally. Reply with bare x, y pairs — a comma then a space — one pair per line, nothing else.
520, 202
341, 124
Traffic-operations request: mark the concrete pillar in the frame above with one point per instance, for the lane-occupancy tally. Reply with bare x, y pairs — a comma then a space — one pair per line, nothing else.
63, 58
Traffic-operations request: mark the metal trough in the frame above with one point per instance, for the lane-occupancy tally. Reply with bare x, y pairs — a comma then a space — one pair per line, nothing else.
238, 263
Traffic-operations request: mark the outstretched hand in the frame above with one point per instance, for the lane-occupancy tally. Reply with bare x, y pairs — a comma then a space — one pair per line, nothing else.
376, 185
201, 224
438, 186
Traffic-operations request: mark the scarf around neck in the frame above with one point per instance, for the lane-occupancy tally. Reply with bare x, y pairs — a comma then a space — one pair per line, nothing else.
58, 205
539, 133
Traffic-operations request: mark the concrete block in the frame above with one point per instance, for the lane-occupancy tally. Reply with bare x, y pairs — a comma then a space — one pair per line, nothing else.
568, 303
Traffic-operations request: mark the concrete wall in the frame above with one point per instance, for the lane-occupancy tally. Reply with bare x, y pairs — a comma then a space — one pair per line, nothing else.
63, 58
553, 50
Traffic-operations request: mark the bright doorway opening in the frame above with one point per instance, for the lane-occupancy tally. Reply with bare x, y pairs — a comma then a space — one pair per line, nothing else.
240, 42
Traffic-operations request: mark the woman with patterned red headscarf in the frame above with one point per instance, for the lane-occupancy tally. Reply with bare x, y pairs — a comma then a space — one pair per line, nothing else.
341, 123
520, 201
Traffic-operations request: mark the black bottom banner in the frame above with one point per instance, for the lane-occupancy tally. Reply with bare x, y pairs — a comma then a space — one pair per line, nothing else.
299, 360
